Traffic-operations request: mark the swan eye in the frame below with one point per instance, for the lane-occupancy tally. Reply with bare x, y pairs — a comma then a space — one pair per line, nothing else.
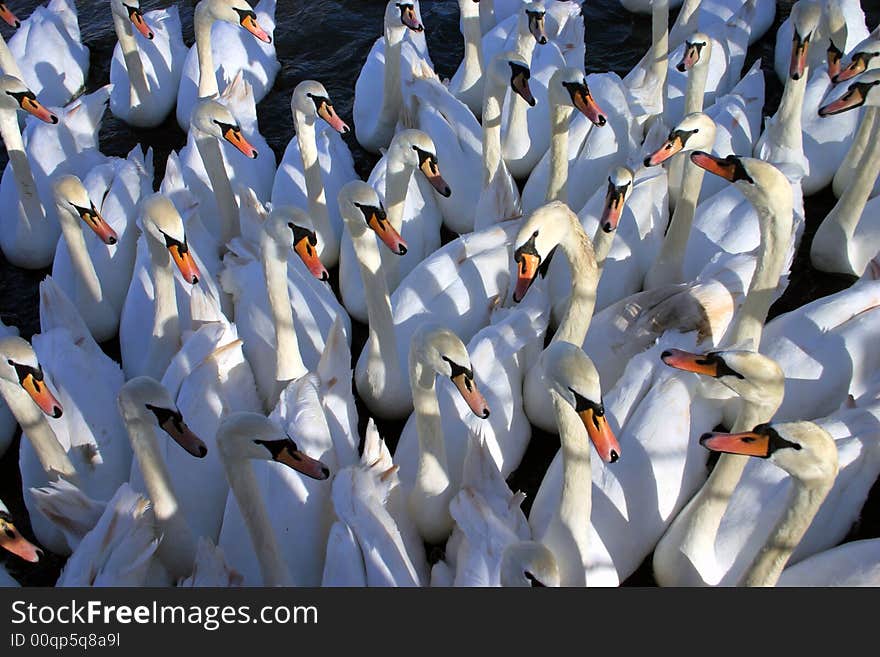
535, 234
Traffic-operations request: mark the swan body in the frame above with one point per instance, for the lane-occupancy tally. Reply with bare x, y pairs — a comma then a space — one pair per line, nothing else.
850, 564
146, 66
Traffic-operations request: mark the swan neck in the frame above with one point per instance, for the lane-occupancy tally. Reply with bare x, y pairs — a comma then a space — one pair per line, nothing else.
83, 267
584, 275
207, 77
166, 322
21, 168
492, 132
557, 188
392, 95
288, 359
848, 210
8, 63
432, 463
696, 88
671, 257
472, 63
212, 158
133, 63
660, 49
787, 131
397, 181
317, 198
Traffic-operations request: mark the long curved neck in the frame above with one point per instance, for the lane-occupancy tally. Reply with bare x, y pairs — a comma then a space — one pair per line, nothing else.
805, 500
786, 129
472, 63
243, 483
602, 242
392, 96
397, 179
775, 226
133, 64
381, 345
166, 322
288, 360
305, 138
696, 88
584, 276
569, 529
21, 168
207, 78
849, 208
860, 143
492, 130
212, 157
8, 63
557, 188
34, 425
84, 269
660, 49
178, 546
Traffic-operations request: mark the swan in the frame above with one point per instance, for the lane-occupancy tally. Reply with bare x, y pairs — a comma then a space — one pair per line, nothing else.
467, 82
316, 164
145, 70
370, 543
157, 307
8, 424
52, 60
851, 564
411, 209
94, 269
847, 239
28, 234
809, 455
435, 350
244, 437
529, 563
711, 14
145, 406
253, 55
377, 90
283, 313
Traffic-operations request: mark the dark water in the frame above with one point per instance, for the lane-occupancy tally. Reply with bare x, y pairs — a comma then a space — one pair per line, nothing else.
328, 40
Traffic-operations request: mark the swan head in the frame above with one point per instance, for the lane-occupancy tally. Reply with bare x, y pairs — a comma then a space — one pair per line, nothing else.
417, 151
13, 542
71, 197
14, 95
695, 132
144, 397
237, 12
866, 58
533, 20
864, 91
130, 10
311, 99
251, 436
529, 563
401, 15
510, 68
214, 119
803, 449
19, 367
163, 224
753, 376
536, 243
362, 210
443, 352
697, 51
7, 15
573, 377
805, 17
568, 86
620, 186
286, 223
760, 182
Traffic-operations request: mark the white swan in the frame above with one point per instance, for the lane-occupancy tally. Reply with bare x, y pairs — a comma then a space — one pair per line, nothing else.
94, 269
467, 82
315, 166
411, 208
377, 90
52, 60
146, 67
852, 564
231, 49
28, 232
8, 424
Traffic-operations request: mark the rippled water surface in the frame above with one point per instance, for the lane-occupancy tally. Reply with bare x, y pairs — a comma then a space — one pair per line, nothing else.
328, 40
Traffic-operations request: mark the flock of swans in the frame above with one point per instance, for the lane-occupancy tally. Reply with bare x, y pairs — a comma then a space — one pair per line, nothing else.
223, 448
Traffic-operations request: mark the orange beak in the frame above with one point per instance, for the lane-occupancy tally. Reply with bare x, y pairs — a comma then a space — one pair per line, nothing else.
7, 15
726, 168
688, 362
305, 249
614, 201
856, 67
408, 17
537, 27
137, 19
586, 105
287, 453
672, 147
431, 171
467, 387
748, 443
799, 49
691, 57
180, 433
249, 22
183, 258
527, 270
601, 435
326, 112
33, 383
850, 100
233, 136
12, 541
520, 85
386, 232
102, 229
33, 106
